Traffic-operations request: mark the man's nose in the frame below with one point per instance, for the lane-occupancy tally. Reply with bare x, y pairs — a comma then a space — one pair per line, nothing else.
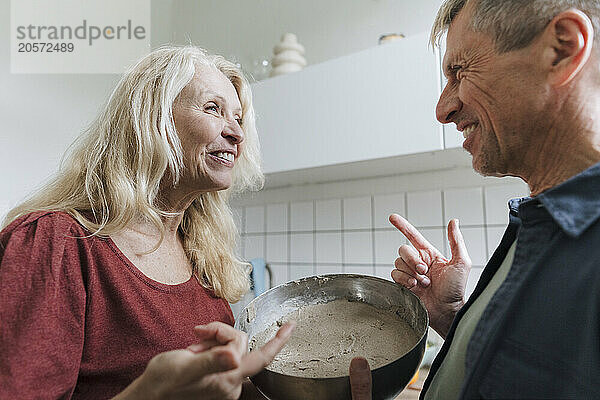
233, 132
448, 105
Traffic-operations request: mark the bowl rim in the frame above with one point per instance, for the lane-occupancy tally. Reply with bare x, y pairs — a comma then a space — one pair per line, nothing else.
368, 277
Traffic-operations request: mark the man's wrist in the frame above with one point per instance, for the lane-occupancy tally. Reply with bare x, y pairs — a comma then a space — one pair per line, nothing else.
444, 321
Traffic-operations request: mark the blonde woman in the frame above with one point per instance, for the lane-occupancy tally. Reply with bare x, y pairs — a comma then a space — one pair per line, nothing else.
115, 277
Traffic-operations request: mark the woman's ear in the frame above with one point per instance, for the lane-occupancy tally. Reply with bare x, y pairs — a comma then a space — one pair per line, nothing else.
568, 42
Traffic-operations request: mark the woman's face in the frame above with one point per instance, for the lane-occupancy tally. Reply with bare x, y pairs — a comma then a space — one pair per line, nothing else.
208, 116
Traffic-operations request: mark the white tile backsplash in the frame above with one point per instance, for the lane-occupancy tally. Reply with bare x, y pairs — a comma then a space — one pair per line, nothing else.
328, 247
359, 269
301, 247
384, 272
358, 248
436, 237
352, 234
302, 216
475, 243
357, 213
386, 246
496, 201
424, 208
329, 269
254, 219
277, 217
474, 276
280, 273
464, 204
328, 214
254, 247
494, 235
300, 271
385, 205
277, 248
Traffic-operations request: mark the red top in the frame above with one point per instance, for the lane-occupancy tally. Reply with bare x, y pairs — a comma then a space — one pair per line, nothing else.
78, 319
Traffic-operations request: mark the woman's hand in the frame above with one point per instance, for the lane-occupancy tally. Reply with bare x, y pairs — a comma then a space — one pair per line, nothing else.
439, 282
213, 368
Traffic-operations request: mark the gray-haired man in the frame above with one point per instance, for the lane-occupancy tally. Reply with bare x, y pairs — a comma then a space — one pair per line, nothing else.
524, 88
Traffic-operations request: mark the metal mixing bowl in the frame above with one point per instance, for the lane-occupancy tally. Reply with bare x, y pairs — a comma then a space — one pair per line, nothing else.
388, 380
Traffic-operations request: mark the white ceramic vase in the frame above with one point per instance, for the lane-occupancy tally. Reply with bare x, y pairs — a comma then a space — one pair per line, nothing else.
288, 56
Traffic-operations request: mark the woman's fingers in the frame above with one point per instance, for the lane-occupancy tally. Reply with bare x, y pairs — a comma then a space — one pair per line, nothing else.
202, 346
192, 367
222, 334
258, 359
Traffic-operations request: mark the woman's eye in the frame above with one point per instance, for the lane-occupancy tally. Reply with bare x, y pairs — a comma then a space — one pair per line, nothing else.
212, 107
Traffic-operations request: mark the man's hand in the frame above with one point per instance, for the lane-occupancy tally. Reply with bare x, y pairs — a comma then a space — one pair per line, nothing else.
439, 282
360, 379
213, 368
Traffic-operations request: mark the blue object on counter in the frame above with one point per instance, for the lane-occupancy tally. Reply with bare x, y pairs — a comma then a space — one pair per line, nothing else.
259, 270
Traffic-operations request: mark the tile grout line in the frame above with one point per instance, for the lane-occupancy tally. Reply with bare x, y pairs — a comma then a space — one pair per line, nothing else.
265, 232
373, 255
315, 240
289, 242
445, 238
343, 258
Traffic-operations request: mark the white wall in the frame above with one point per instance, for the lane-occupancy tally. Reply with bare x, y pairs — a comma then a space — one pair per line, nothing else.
41, 114
327, 28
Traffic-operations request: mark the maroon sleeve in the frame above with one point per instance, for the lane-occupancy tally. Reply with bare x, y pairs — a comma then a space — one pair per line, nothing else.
42, 308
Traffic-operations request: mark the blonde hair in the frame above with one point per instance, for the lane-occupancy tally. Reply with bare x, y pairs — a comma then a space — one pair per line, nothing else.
513, 24
114, 170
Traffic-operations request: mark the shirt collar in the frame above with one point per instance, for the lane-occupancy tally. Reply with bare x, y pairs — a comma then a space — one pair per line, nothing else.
575, 204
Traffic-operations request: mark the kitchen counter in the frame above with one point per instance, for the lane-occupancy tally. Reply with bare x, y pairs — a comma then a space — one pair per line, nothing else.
413, 391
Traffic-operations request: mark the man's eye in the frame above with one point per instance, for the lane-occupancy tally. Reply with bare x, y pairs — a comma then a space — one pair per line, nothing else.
455, 72
239, 121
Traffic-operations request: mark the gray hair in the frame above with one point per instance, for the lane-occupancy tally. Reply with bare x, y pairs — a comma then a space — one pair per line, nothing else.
512, 24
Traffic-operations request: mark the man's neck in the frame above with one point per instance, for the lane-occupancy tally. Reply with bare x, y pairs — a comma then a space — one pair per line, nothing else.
560, 159
569, 144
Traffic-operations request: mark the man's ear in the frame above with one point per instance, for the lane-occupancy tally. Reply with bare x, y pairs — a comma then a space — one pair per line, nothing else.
568, 42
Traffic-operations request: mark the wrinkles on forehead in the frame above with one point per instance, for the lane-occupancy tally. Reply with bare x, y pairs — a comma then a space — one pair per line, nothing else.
208, 84
464, 45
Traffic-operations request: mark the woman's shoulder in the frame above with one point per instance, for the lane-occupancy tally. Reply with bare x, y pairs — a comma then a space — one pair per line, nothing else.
45, 223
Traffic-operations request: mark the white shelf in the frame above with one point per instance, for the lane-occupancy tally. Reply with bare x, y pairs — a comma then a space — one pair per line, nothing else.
371, 105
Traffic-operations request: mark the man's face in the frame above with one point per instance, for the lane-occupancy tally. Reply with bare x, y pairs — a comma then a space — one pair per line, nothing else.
492, 98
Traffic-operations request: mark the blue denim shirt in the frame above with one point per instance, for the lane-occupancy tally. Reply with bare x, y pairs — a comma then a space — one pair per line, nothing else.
539, 336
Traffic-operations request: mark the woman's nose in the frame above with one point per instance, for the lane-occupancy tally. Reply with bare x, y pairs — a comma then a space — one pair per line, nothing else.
233, 132
448, 105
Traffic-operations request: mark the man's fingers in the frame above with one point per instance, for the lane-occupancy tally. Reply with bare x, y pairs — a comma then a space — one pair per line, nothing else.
360, 379
413, 259
411, 275
406, 275
404, 279
457, 243
411, 233
258, 359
